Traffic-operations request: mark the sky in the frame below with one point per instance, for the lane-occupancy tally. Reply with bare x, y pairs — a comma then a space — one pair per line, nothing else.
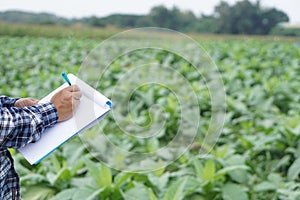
86, 8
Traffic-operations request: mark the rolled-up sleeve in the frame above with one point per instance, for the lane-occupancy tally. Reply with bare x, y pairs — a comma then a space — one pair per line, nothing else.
20, 126
7, 101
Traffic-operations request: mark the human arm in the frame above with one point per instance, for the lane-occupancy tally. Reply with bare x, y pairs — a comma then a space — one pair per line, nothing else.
7, 101
23, 102
18, 102
22, 125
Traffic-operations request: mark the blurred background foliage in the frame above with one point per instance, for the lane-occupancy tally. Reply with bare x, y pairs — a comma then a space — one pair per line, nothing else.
244, 17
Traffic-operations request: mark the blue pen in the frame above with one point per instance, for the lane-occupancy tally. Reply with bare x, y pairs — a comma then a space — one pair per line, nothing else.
65, 77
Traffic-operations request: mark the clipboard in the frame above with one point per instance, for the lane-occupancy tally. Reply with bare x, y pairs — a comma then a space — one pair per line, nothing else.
92, 108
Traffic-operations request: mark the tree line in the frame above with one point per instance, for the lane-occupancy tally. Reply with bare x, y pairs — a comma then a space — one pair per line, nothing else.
244, 17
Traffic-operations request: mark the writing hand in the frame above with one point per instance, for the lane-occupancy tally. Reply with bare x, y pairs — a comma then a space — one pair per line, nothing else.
66, 102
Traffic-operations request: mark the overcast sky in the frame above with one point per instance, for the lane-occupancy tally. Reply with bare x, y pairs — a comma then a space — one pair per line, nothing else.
85, 8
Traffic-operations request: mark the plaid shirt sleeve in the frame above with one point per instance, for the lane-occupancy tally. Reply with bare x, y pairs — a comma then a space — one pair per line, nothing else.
7, 102
20, 126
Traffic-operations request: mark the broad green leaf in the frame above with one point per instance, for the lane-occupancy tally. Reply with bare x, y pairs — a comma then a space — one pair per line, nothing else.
160, 168
192, 185
161, 182
65, 194
55, 163
197, 197
80, 181
138, 192
105, 176
151, 195
221, 152
94, 171
294, 170
233, 192
208, 171
21, 169
86, 193
62, 175
100, 173
176, 190
95, 194
74, 151
120, 178
282, 162
276, 178
34, 178
199, 168
222, 172
238, 175
38, 192
152, 144
289, 192
76, 167
265, 186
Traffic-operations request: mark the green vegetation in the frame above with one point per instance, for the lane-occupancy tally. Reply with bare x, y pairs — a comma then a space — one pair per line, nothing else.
55, 31
256, 157
244, 17
286, 31
32, 18
79, 31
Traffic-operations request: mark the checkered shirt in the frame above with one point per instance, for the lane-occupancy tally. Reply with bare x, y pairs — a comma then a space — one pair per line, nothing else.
18, 127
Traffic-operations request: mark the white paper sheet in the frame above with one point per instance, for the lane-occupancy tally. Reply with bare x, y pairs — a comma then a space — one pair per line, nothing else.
90, 109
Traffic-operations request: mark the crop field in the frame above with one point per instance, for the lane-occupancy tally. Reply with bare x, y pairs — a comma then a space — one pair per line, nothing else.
257, 155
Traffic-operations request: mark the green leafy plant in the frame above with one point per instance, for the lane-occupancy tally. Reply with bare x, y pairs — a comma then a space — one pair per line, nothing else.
256, 157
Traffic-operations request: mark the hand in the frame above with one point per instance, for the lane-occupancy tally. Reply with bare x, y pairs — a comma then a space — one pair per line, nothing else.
66, 102
23, 102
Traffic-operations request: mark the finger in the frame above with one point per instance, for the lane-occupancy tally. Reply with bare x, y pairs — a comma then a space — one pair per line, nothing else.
19, 104
34, 101
75, 104
77, 95
29, 104
73, 88
30, 99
